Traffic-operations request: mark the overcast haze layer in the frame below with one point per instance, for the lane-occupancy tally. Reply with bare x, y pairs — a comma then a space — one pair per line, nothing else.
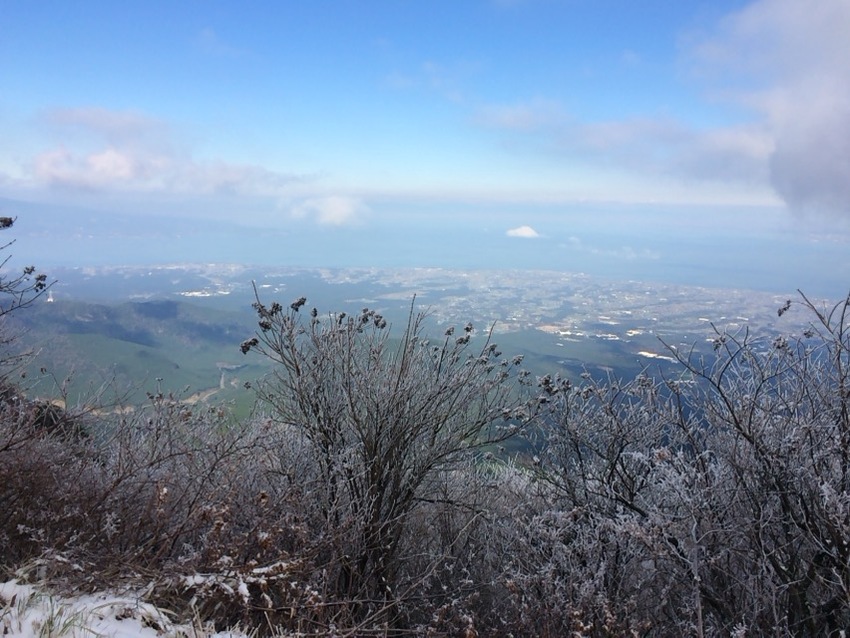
688, 140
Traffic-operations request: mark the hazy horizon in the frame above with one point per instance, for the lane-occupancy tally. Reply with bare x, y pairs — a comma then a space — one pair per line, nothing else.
719, 253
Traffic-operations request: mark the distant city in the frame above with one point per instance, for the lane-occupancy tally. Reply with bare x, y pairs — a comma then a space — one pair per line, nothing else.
570, 308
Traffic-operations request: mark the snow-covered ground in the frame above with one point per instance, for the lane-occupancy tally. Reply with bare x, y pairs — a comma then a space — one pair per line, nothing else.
28, 611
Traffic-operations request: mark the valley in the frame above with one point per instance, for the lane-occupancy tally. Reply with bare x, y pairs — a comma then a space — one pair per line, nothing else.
130, 331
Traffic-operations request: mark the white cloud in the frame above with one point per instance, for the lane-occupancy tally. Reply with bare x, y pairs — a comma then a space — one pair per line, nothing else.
112, 164
335, 210
526, 232
789, 62
101, 169
129, 157
661, 146
113, 151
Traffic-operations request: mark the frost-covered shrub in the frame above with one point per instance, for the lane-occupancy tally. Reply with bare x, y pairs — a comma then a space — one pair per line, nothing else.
386, 423
710, 504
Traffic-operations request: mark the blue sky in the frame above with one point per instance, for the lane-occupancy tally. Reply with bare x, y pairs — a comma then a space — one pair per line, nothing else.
525, 119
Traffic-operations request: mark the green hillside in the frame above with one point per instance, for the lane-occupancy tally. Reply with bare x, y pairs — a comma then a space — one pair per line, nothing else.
138, 347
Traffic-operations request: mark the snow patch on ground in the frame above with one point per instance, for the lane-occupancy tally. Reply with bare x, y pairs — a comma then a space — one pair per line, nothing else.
27, 611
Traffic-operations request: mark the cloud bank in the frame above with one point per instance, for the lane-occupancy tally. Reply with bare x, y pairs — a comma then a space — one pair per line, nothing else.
128, 152
782, 65
647, 146
797, 54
